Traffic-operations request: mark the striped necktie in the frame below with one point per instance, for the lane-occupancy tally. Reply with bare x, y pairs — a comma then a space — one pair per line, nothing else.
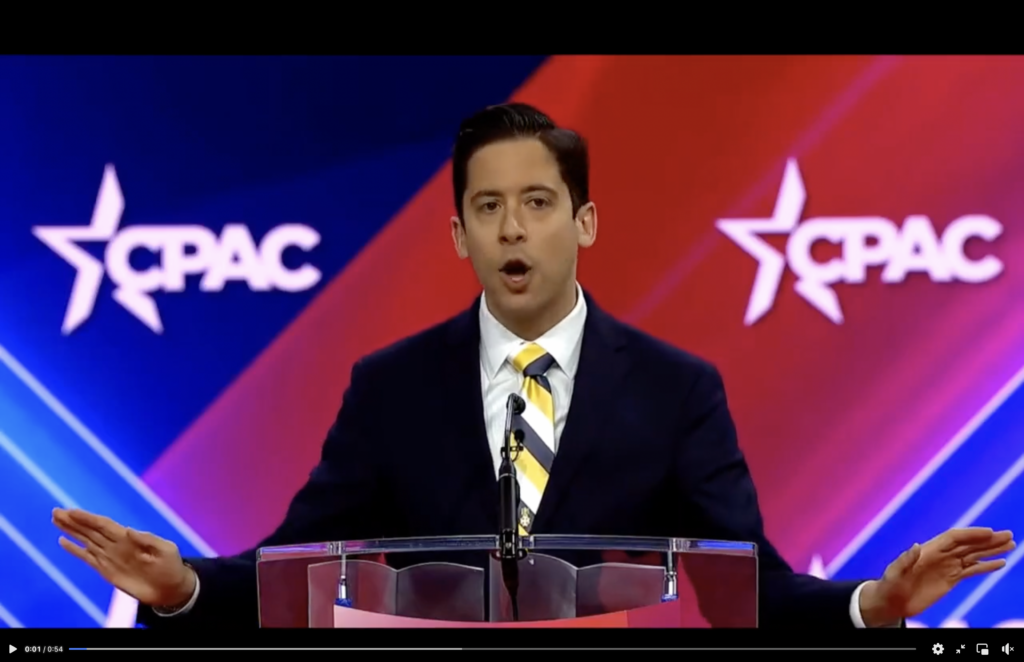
537, 422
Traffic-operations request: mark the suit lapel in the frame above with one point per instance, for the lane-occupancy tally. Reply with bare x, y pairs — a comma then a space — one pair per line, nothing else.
603, 366
462, 433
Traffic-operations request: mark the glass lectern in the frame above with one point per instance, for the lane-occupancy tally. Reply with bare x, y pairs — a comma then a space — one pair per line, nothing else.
564, 581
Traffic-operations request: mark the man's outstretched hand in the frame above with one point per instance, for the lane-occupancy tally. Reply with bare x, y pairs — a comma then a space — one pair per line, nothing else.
925, 573
144, 566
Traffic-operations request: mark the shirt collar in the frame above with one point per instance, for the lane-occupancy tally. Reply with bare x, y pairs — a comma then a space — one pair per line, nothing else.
562, 342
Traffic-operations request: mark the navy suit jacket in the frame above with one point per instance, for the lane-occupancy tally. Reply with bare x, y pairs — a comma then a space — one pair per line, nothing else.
649, 449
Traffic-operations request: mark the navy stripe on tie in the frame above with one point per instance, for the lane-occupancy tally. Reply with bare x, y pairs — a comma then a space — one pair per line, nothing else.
539, 366
533, 443
544, 383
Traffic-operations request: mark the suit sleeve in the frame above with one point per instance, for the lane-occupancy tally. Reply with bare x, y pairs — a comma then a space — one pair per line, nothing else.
721, 504
343, 499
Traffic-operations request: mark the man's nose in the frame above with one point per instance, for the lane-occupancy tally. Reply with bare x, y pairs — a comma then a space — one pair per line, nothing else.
512, 230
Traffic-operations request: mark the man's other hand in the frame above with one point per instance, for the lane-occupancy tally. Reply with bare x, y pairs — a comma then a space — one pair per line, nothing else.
925, 573
144, 566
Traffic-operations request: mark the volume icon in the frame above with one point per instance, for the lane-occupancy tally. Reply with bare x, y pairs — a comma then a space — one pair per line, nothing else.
1007, 648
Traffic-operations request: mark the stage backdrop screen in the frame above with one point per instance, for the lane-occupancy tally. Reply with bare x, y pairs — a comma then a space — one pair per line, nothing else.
194, 252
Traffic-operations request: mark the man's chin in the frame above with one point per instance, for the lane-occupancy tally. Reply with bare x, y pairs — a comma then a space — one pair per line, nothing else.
517, 303
513, 304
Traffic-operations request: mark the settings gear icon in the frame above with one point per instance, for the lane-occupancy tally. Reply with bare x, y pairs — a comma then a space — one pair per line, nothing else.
937, 649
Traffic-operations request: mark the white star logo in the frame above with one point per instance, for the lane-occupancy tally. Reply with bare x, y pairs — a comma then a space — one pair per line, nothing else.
63, 240
789, 205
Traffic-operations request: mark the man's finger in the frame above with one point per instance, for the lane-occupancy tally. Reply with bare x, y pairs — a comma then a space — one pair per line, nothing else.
79, 537
971, 535
996, 541
104, 525
82, 535
77, 551
974, 557
983, 568
78, 518
61, 516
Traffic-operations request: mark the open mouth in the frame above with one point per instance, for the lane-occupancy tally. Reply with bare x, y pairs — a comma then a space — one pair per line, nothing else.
515, 271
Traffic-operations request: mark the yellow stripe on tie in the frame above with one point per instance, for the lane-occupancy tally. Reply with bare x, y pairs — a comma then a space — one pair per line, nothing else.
527, 355
540, 398
522, 531
530, 469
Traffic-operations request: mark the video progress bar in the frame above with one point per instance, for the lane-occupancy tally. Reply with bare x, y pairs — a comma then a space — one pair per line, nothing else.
516, 649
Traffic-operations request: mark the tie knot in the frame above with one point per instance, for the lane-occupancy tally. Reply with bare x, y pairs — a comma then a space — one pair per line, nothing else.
532, 361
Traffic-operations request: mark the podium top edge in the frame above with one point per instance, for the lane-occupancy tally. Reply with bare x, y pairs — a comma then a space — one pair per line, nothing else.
539, 543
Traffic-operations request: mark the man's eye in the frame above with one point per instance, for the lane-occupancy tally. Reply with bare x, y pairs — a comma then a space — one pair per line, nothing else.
489, 206
539, 203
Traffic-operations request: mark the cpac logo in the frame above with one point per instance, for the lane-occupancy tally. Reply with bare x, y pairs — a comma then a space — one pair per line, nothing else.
184, 250
868, 241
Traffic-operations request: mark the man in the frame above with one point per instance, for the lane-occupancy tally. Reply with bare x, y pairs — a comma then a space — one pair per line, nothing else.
624, 435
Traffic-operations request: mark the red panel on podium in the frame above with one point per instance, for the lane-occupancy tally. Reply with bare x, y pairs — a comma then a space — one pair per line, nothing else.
664, 615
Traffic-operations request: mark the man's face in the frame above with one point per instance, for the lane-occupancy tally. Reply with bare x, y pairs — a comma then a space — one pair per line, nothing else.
520, 233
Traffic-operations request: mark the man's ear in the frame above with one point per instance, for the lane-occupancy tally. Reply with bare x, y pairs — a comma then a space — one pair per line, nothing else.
459, 237
586, 225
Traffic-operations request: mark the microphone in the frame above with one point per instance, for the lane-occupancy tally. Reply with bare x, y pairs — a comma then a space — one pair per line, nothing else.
508, 501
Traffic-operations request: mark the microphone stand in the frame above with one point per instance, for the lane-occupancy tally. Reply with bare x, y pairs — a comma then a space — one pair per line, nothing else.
510, 551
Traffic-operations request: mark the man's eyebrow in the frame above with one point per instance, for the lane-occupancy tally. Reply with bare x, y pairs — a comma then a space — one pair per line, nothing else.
539, 188
532, 188
486, 193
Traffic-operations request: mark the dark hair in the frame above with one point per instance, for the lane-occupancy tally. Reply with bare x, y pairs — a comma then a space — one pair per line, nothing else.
519, 120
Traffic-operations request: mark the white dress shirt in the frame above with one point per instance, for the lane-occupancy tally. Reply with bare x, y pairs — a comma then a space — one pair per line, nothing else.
498, 378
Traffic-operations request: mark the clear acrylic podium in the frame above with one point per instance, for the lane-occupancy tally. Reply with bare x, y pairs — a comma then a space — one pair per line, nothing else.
564, 581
